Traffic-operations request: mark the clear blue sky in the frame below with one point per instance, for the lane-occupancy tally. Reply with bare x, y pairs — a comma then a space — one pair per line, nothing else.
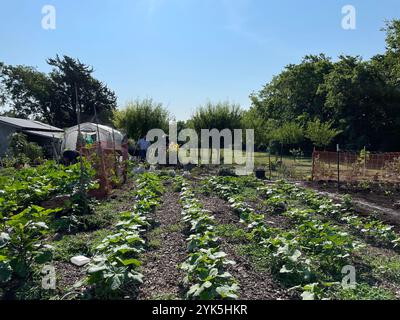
186, 52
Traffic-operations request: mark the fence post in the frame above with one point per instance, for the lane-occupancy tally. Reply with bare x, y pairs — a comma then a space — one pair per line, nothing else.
365, 161
313, 165
338, 167
269, 163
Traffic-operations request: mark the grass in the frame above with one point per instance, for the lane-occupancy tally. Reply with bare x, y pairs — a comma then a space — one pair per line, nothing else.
299, 168
233, 233
154, 236
384, 267
78, 244
365, 292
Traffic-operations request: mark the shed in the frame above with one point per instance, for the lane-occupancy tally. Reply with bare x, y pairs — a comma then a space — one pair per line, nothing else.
45, 135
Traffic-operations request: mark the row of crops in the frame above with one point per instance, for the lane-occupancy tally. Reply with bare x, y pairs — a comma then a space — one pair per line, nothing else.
25, 226
306, 255
113, 271
323, 238
206, 264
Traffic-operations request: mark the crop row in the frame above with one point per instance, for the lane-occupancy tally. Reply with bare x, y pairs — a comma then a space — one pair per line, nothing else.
367, 227
114, 268
206, 265
30, 186
308, 256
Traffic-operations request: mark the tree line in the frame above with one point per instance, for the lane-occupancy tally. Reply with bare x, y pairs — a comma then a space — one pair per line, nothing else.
316, 103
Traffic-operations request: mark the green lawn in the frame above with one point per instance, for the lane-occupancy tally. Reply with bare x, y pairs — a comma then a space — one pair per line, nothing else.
301, 168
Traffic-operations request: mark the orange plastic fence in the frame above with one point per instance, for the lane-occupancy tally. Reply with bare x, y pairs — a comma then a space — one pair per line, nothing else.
356, 166
110, 164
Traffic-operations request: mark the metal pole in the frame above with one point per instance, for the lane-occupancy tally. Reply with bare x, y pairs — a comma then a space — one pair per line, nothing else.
338, 167
269, 163
365, 161
78, 116
313, 165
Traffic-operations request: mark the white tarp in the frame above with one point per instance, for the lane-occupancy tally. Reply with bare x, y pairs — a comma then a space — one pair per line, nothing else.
89, 131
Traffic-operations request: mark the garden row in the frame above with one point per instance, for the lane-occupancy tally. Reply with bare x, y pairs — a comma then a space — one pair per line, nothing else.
206, 264
311, 254
114, 270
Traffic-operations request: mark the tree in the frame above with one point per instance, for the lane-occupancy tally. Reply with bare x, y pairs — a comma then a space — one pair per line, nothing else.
30, 93
295, 91
263, 129
320, 133
222, 115
358, 97
290, 133
140, 116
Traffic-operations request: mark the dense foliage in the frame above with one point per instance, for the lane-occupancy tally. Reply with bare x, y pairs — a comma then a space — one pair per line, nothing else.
140, 116
223, 115
359, 97
51, 97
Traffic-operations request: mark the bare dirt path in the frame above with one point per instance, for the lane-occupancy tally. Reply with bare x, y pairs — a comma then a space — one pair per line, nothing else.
254, 284
162, 277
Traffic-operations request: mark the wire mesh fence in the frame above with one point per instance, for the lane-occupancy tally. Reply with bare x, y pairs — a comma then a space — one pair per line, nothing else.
356, 166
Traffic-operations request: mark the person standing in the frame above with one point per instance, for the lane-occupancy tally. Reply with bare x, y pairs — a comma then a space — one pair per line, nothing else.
143, 146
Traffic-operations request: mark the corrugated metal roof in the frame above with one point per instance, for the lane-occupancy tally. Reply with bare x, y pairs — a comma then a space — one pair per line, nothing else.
57, 135
29, 124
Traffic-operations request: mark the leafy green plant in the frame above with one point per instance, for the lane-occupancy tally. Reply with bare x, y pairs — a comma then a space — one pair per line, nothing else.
23, 243
205, 266
115, 265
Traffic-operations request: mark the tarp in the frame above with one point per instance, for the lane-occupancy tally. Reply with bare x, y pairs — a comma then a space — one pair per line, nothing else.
89, 133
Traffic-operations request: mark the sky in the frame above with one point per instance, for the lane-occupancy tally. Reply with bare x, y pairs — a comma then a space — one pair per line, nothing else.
184, 53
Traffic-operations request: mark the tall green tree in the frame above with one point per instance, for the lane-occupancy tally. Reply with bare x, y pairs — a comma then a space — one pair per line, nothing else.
30, 93
321, 133
140, 116
221, 115
295, 91
360, 98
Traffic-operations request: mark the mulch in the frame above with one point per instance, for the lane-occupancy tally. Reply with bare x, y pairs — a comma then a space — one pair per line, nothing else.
162, 276
254, 285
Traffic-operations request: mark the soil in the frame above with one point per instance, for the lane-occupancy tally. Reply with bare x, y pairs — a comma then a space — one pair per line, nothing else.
162, 276
366, 203
67, 275
254, 285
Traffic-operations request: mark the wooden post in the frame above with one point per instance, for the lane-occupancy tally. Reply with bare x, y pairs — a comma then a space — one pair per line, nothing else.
338, 167
103, 171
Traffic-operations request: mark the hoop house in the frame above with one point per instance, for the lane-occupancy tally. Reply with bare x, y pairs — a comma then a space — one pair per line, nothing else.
106, 135
105, 148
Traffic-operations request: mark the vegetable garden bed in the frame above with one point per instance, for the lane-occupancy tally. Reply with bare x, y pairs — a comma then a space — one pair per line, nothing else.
205, 237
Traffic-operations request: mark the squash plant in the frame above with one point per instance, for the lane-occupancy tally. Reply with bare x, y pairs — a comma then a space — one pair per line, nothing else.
115, 265
206, 264
22, 243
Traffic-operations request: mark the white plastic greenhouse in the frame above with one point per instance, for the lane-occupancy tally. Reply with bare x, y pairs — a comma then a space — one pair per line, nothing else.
92, 133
